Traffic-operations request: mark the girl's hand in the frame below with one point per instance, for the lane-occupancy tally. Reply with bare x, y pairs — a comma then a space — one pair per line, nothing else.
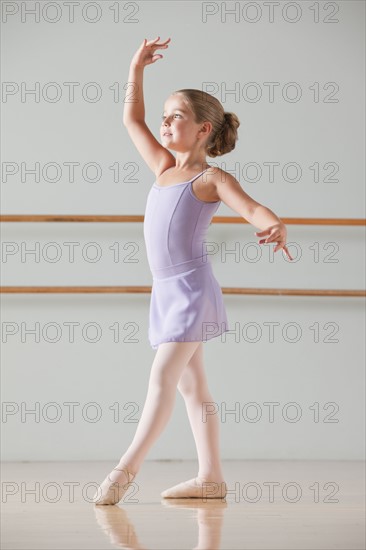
278, 233
145, 54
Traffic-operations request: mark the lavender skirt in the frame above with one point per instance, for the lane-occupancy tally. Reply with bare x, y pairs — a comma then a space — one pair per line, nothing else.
186, 304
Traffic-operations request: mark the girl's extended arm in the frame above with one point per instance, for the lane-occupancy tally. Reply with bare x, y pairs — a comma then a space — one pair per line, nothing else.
134, 108
231, 193
154, 154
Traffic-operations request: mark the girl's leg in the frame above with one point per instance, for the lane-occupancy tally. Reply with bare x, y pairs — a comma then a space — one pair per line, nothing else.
169, 361
210, 482
194, 389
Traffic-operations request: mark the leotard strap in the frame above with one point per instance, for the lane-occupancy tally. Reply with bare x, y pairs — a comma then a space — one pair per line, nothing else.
200, 174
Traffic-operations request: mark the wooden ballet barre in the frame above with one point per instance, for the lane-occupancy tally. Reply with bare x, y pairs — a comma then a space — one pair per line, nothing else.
147, 290
95, 218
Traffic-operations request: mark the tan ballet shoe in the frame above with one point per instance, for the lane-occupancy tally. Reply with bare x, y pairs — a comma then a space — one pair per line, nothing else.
193, 488
111, 492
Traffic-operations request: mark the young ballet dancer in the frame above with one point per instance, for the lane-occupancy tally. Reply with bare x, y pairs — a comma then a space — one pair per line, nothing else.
186, 306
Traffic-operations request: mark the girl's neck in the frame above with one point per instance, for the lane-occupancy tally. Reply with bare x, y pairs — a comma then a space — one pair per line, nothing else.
187, 165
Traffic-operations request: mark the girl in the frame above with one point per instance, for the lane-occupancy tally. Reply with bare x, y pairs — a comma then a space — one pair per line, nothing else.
186, 304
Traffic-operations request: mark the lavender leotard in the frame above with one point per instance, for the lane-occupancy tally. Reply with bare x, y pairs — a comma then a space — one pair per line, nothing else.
186, 303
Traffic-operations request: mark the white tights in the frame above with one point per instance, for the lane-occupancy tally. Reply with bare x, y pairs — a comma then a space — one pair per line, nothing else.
177, 365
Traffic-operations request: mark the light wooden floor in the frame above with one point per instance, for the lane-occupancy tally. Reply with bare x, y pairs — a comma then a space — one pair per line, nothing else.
316, 505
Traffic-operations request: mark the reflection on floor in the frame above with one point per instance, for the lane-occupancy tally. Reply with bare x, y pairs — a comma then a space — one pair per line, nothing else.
270, 505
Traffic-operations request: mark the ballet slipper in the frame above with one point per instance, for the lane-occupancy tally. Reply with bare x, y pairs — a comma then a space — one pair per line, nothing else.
195, 488
111, 492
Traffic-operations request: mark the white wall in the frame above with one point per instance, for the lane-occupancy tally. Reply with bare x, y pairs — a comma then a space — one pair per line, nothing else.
316, 358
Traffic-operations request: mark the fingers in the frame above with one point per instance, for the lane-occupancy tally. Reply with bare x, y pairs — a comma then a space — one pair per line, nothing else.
285, 250
278, 246
155, 58
152, 41
274, 237
154, 44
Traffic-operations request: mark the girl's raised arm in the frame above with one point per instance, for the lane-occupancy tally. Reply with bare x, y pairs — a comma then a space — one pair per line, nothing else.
154, 154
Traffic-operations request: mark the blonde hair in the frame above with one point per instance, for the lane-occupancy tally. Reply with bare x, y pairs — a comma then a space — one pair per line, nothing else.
206, 107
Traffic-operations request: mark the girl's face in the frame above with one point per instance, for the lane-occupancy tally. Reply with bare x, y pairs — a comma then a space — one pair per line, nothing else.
178, 130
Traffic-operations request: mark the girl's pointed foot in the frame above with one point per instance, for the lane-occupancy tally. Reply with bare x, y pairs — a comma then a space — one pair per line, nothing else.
112, 490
